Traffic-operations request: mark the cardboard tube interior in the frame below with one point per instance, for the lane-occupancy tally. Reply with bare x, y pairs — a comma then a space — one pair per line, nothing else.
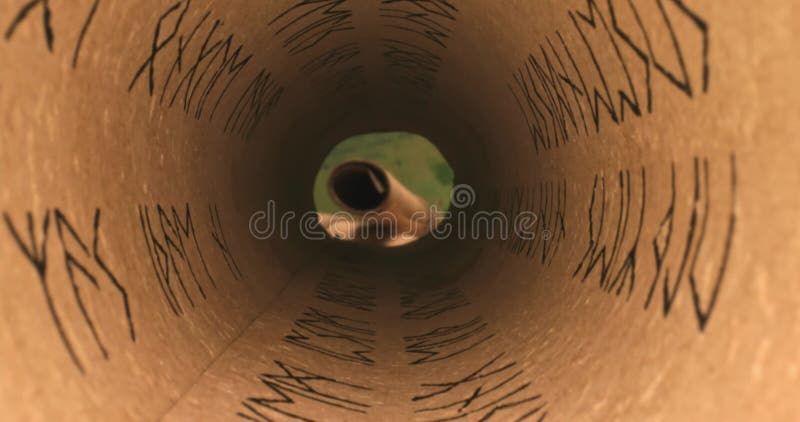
158, 161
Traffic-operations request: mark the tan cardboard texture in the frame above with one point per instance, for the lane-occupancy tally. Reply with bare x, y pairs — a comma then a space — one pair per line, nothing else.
158, 159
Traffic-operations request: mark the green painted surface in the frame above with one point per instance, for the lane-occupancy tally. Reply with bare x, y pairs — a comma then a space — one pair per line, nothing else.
412, 159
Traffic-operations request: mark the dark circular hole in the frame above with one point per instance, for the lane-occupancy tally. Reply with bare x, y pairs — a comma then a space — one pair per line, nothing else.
359, 186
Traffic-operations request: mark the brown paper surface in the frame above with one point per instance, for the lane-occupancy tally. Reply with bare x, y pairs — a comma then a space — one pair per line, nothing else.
654, 141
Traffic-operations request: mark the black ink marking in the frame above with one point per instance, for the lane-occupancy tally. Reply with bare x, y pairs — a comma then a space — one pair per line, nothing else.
335, 71
425, 18
616, 222
46, 21
336, 336
606, 253
85, 27
426, 304
159, 44
341, 288
411, 66
74, 262
546, 205
695, 239
292, 384
493, 390
256, 102
446, 342
550, 97
201, 82
331, 58
165, 237
219, 239
417, 32
308, 22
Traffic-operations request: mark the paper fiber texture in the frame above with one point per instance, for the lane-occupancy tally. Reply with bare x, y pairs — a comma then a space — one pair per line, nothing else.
654, 141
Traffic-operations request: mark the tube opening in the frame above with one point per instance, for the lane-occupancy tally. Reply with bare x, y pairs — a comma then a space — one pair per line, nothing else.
383, 188
358, 186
